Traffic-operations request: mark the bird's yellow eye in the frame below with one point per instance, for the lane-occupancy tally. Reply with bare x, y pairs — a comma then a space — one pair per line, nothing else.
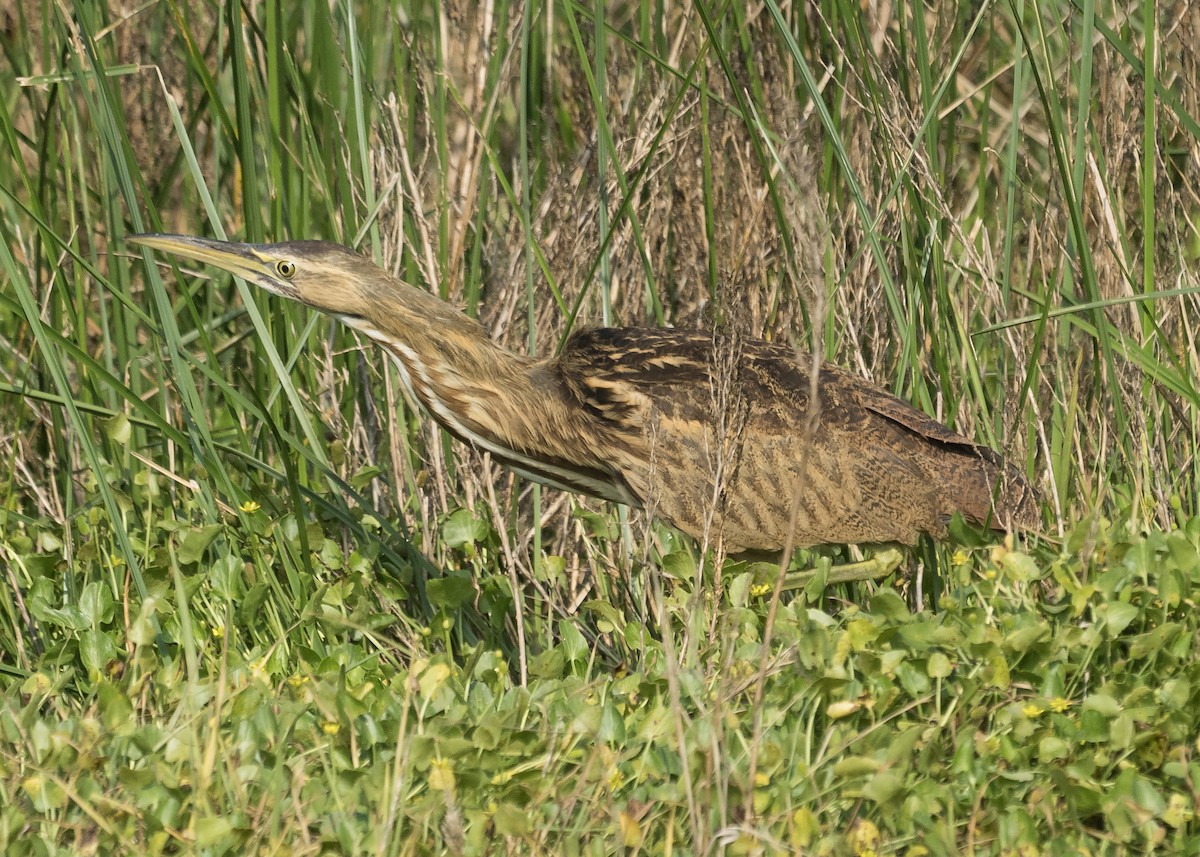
286, 269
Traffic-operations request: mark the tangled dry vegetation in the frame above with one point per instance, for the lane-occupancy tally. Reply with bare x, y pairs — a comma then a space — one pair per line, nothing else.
784, 252
707, 199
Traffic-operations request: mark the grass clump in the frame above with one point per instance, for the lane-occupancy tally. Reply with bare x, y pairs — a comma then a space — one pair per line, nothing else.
1046, 708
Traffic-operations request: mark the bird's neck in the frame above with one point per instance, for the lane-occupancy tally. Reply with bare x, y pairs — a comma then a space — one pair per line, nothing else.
510, 405
480, 391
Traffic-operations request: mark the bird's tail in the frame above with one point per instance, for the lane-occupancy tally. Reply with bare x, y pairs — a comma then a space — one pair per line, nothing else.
996, 494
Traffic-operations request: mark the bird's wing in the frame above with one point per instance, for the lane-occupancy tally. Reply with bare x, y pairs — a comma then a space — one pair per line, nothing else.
1000, 494
614, 373
898, 411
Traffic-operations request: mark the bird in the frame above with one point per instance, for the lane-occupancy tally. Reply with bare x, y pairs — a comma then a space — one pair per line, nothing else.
714, 433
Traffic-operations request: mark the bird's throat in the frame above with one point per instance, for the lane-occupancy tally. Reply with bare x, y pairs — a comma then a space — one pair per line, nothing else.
500, 402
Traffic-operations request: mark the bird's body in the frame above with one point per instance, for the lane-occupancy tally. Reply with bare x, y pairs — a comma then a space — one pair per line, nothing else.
708, 432
740, 464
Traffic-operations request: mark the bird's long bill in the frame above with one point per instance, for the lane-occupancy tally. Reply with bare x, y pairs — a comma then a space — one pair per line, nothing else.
241, 260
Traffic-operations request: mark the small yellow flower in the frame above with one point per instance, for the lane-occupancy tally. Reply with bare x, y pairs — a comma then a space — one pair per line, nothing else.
758, 590
250, 507
218, 632
329, 727
960, 557
1031, 710
1058, 705
258, 669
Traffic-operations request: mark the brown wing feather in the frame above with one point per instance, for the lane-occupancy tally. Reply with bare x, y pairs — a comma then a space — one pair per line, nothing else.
897, 410
733, 460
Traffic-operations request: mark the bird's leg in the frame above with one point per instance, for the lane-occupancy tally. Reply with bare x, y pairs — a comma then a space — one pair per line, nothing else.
880, 565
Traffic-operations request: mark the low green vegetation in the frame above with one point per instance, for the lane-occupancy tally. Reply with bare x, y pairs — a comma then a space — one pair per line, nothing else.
1039, 709
254, 604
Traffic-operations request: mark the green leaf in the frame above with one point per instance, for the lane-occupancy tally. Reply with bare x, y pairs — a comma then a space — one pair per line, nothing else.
815, 586
855, 766
550, 568
432, 678
119, 429
511, 820
862, 633
636, 635
252, 602
194, 543
96, 605
549, 664
915, 682
884, 786
213, 831
1185, 556
462, 528
450, 592
45, 794
680, 565
1023, 638
1118, 615
573, 643
363, 476
142, 631
1052, 747
597, 526
1101, 703
96, 649
889, 604
998, 674
1176, 693
48, 542
114, 706
938, 666
606, 613
225, 575
1156, 640
739, 589
612, 725
1020, 567
1093, 726
1121, 732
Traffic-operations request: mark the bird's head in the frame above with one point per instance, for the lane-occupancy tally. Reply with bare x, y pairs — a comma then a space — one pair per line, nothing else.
326, 276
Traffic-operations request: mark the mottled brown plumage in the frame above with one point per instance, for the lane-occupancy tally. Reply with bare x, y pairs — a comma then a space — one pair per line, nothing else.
874, 470
706, 432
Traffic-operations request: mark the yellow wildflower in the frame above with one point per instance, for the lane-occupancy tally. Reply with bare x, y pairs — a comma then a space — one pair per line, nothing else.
1058, 705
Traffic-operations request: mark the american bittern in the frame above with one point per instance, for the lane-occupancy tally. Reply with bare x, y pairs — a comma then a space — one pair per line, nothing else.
630, 415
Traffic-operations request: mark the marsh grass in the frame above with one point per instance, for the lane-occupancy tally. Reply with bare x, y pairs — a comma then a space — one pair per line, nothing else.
217, 502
